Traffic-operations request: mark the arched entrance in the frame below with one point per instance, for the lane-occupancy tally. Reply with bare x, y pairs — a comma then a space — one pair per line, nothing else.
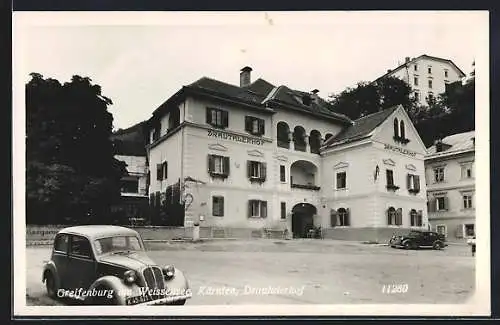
302, 219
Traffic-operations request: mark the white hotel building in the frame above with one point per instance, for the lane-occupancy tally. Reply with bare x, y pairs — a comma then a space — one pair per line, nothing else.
258, 156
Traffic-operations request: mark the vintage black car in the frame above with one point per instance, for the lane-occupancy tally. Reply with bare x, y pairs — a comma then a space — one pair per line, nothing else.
418, 239
108, 265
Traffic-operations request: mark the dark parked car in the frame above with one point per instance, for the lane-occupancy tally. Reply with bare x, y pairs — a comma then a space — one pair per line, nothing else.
418, 239
108, 265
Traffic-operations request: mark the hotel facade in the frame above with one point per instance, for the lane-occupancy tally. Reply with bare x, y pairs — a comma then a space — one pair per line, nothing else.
450, 177
257, 157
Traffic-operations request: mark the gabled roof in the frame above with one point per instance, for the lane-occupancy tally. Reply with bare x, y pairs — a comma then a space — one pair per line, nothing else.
456, 142
424, 56
361, 128
260, 95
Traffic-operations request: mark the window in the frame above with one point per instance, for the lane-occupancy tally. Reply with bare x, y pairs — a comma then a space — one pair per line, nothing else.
218, 206
413, 183
469, 230
415, 81
438, 174
389, 176
282, 174
396, 128
441, 229
283, 210
80, 247
467, 199
218, 166
341, 180
441, 203
430, 83
117, 244
415, 67
416, 218
256, 170
343, 217
61, 243
416, 95
257, 209
254, 125
217, 117
394, 217
429, 69
161, 171
402, 129
467, 170
445, 73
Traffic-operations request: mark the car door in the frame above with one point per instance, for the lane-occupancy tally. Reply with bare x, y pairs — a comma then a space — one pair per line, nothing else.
81, 267
427, 240
60, 257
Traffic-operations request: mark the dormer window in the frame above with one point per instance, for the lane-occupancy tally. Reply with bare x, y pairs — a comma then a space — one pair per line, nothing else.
396, 128
399, 132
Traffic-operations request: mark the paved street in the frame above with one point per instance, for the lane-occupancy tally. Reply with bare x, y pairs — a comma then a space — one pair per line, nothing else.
313, 272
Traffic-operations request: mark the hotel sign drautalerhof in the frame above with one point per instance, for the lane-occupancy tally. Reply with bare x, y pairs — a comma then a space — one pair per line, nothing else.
235, 137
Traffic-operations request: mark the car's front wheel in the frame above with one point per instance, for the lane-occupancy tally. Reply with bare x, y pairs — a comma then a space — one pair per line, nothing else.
437, 245
50, 285
407, 244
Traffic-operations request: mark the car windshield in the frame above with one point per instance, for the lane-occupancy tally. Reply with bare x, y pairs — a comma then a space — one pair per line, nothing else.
118, 244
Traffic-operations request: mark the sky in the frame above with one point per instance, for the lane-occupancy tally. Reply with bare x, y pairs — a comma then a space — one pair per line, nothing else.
140, 59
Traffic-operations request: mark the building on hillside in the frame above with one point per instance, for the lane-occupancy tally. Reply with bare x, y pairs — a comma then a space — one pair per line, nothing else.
426, 75
245, 159
130, 148
450, 177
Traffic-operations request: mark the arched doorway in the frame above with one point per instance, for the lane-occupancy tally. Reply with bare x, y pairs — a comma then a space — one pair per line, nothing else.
302, 219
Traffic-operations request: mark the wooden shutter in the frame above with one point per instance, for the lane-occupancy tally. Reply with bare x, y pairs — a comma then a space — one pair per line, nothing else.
283, 210
432, 205
388, 212
249, 168
416, 179
420, 217
388, 177
209, 115
333, 217
263, 209
211, 164
263, 171
248, 123
221, 206
348, 217
399, 216
282, 173
250, 202
261, 127
225, 118
445, 199
225, 165
408, 181
159, 171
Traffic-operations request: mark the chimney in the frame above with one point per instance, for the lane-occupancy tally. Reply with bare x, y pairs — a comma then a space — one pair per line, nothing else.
407, 59
439, 145
389, 70
245, 76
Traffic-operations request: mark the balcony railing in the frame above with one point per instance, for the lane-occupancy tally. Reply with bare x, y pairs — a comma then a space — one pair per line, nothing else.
306, 187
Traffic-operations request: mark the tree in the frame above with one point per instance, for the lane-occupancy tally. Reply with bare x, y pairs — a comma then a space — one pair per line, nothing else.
71, 172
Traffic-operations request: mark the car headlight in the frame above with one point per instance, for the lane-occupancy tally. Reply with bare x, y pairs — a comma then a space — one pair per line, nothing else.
129, 277
168, 272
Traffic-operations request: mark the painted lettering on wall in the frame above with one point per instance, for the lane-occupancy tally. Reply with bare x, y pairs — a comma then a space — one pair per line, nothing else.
234, 137
400, 150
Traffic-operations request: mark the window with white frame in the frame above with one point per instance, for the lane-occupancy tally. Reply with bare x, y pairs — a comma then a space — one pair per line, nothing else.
341, 180
394, 217
218, 206
257, 209
439, 174
441, 229
415, 81
469, 230
413, 183
256, 170
416, 218
441, 203
467, 200
218, 166
466, 170
343, 217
